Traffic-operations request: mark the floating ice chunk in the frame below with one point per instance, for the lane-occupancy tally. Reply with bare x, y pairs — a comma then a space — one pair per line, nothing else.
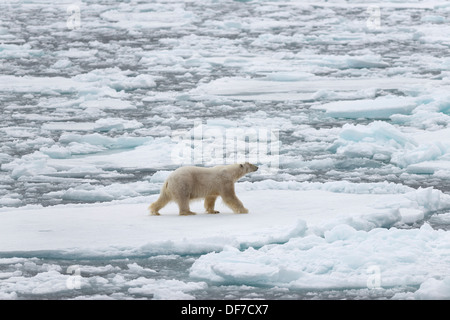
76, 148
332, 186
104, 124
129, 153
91, 143
13, 51
116, 79
160, 176
4, 158
115, 191
367, 61
411, 215
276, 40
108, 104
341, 232
434, 289
73, 148
432, 112
440, 219
135, 268
429, 199
58, 159
429, 167
97, 81
243, 272
228, 24
430, 154
442, 174
85, 269
433, 19
19, 132
140, 81
56, 152
161, 289
221, 122
29, 165
10, 202
317, 164
289, 76
86, 195
379, 108
376, 219
342, 261
77, 53
3, 31
421, 153
377, 130
264, 89
378, 139
97, 139
176, 17
62, 64
346, 61
118, 124
47, 282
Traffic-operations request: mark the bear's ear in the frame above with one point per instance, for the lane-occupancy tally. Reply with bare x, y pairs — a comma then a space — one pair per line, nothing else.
242, 165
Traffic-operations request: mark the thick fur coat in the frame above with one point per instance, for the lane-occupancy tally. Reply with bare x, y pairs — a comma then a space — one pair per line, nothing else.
189, 183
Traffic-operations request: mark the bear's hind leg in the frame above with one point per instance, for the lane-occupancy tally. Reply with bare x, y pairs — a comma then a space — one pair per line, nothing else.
153, 210
164, 198
209, 204
158, 205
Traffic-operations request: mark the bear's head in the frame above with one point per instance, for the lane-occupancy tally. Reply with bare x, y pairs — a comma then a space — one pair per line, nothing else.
238, 170
247, 167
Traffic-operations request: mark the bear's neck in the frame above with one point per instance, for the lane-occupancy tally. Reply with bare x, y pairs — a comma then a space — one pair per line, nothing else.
238, 176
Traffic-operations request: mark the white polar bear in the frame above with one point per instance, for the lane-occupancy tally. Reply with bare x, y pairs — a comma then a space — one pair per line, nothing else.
189, 183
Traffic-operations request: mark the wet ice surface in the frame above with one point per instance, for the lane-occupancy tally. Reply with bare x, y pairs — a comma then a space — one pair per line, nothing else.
89, 115
126, 279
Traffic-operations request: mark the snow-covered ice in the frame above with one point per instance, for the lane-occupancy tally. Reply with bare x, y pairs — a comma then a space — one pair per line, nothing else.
344, 106
296, 244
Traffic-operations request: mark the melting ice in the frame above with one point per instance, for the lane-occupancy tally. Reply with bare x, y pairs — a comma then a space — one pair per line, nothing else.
102, 100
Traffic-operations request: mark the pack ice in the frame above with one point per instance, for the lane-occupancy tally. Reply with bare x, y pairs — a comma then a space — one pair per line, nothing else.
352, 201
287, 240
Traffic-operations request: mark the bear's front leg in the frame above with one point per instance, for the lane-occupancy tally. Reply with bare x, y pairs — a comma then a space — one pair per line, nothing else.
183, 205
242, 210
209, 204
234, 203
231, 200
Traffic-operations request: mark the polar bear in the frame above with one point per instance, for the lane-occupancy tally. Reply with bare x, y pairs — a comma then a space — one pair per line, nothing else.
189, 183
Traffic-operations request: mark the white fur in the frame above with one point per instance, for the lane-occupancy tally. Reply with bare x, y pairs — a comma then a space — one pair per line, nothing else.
189, 183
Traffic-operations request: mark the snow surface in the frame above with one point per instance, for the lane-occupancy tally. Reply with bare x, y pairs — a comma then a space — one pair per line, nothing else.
68, 230
348, 120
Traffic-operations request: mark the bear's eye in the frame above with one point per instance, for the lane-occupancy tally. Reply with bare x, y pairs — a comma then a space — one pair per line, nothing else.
242, 165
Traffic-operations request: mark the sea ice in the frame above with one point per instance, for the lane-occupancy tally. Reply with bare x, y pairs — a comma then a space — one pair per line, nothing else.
90, 121
379, 108
73, 225
344, 258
